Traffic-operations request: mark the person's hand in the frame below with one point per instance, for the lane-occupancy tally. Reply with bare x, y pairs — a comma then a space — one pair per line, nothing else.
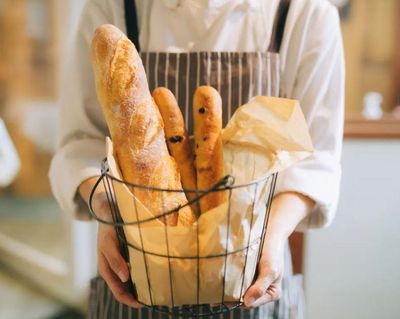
287, 210
267, 286
112, 266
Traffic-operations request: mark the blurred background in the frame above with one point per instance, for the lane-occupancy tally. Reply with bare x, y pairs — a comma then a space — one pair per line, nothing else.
351, 270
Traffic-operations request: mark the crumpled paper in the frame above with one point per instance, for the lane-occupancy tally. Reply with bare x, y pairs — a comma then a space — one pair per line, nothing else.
264, 136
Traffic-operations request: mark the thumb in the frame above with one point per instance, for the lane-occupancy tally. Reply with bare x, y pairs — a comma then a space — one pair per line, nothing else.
257, 290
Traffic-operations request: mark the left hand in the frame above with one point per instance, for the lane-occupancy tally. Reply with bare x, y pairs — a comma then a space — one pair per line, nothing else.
267, 287
287, 210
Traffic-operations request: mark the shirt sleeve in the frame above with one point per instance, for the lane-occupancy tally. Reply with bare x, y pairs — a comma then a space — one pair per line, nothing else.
82, 129
316, 78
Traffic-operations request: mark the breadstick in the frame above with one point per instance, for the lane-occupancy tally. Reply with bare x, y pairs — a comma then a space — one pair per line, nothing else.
207, 110
177, 138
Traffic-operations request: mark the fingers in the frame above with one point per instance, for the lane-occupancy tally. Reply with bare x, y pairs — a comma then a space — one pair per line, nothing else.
115, 284
265, 289
257, 291
108, 247
112, 266
257, 295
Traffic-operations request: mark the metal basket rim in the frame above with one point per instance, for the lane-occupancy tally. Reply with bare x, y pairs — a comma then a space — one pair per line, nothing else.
172, 211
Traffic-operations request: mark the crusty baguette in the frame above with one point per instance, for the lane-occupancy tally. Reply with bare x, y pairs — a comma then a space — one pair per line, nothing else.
177, 138
207, 112
135, 124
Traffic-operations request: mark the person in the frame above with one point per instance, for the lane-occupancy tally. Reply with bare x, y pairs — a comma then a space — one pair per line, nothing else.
242, 48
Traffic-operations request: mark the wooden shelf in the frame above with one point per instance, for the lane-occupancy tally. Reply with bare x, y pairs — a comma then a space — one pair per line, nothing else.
358, 127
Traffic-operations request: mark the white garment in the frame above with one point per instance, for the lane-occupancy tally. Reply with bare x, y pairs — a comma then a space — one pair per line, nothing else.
312, 72
9, 160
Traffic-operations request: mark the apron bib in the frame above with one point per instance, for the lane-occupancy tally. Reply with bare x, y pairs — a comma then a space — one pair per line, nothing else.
237, 76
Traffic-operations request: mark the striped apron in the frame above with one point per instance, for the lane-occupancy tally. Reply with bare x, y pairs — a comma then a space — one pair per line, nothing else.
238, 76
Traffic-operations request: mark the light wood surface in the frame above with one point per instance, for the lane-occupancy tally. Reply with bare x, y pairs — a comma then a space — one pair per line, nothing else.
358, 127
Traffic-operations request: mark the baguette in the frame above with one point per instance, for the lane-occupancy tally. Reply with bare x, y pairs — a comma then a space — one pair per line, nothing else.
177, 138
207, 110
135, 124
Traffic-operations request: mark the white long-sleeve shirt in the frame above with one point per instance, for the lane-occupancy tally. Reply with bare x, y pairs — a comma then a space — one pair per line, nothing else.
312, 72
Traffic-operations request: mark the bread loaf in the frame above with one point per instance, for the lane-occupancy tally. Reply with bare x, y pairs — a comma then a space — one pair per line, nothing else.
207, 110
177, 139
135, 124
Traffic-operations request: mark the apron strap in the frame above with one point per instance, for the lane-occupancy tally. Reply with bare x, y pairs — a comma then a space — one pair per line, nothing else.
132, 22
279, 26
276, 37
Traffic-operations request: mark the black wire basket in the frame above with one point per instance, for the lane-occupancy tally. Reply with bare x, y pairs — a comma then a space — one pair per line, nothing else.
264, 186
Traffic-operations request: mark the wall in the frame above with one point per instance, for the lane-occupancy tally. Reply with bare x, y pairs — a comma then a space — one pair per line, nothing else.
352, 268
370, 39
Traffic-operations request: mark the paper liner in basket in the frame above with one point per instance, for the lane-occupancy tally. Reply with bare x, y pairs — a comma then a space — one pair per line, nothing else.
264, 136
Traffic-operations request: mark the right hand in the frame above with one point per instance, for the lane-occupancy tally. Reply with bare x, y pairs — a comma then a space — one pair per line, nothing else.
112, 266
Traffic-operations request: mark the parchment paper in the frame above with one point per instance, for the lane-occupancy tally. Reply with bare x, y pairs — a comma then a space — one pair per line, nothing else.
264, 136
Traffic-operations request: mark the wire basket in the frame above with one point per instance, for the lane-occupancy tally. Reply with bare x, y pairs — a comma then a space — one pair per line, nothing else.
227, 184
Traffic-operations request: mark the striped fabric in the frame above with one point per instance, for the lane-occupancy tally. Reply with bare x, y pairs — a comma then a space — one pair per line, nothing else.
237, 76
104, 306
